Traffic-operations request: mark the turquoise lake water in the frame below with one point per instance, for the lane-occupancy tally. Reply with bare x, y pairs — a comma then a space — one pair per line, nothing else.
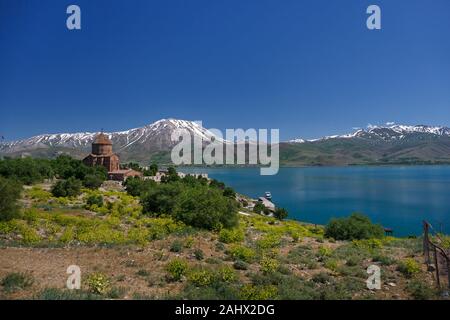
397, 197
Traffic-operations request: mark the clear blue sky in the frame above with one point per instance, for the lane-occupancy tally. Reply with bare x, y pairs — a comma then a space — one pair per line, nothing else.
310, 68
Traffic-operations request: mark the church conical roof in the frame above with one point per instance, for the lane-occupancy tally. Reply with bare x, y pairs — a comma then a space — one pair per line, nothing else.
102, 139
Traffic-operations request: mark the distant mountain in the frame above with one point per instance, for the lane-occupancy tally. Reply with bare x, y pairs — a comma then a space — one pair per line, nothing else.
139, 144
391, 144
387, 133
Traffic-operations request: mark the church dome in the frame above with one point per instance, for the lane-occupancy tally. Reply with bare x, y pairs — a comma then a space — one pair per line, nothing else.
102, 139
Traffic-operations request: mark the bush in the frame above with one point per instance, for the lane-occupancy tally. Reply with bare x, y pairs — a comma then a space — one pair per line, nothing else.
383, 260
198, 254
95, 200
98, 283
357, 226
258, 208
201, 277
136, 186
242, 253
16, 281
226, 274
229, 193
93, 181
240, 265
9, 194
420, 290
64, 294
67, 188
280, 213
321, 277
176, 246
231, 235
176, 269
196, 205
251, 292
269, 265
409, 267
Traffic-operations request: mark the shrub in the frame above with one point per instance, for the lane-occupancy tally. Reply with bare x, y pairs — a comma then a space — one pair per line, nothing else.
331, 264
231, 235
409, 267
321, 277
16, 281
136, 186
9, 194
143, 273
93, 181
383, 260
37, 193
176, 269
64, 294
198, 254
196, 205
420, 290
324, 252
240, 265
242, 253
98, 283
95, 200
357, 226
280, 213
201, 277
226, 274
259, 207
269, 265
176, 246
252, 292
229, 192
67, 188
269, 240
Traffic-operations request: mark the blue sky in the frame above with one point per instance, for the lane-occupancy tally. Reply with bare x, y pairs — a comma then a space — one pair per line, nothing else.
310, 68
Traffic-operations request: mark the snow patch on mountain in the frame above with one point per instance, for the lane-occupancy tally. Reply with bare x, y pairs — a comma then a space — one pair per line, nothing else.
390, 131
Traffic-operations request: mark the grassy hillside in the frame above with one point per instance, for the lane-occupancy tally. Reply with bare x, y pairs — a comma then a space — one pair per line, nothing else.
126, 254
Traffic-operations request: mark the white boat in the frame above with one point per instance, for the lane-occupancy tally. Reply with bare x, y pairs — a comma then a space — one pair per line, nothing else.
268, 195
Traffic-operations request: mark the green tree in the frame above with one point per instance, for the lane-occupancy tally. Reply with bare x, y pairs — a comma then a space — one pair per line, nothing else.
95, 199
196, 205
207, 208
357, 226
259, 207
136, 186
67, 188
93, 181
280, 213
229, 193
9, 194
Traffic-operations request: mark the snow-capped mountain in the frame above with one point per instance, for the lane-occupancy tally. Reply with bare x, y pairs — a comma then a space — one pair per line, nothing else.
387, 133
151, 138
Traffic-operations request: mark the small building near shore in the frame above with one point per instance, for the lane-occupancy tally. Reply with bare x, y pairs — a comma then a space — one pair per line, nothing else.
268, 204
123, 174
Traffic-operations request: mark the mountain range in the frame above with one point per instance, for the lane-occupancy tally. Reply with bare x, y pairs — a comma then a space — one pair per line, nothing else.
389, 144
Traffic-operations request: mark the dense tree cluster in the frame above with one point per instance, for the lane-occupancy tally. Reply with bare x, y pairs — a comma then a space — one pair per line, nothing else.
31, 170
9, 194
195, 201
357, 226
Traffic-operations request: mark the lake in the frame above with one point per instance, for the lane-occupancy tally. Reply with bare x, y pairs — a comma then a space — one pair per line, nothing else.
397, 197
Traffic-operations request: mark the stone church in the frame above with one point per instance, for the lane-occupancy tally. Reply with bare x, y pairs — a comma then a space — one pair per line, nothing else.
102, 154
